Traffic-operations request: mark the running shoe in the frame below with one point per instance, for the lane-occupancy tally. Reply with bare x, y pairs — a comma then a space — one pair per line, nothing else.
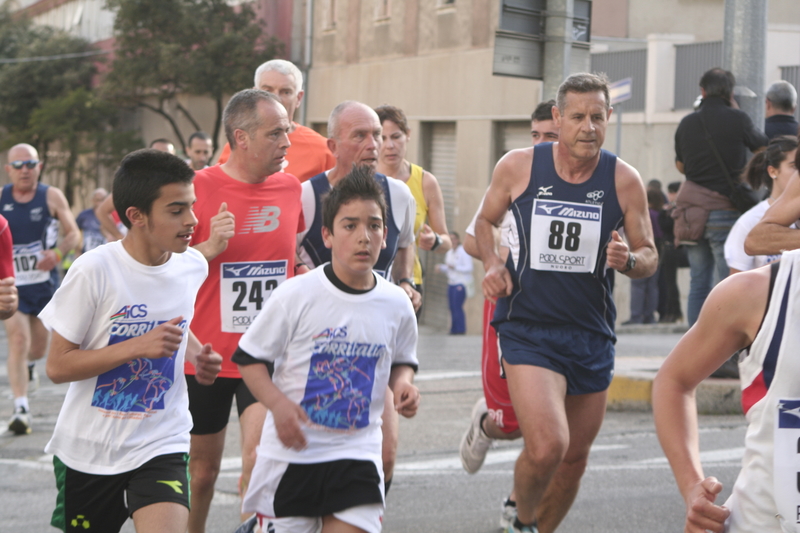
508, 513
516, 527
475, 443
33, 378
20, 423
248, 526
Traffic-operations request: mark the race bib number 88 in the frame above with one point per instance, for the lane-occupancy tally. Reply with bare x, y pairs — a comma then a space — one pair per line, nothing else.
244, 288
565, 236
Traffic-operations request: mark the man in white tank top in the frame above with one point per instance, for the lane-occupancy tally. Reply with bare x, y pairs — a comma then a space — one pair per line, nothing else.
765, 497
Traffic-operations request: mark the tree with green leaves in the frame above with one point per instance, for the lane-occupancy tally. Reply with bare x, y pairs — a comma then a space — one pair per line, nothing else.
46, 100
165, 48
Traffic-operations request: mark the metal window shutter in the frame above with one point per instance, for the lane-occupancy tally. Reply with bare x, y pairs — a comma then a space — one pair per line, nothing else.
442, 164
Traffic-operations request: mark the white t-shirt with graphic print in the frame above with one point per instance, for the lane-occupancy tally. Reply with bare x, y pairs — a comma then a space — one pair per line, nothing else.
333, 353
119, 420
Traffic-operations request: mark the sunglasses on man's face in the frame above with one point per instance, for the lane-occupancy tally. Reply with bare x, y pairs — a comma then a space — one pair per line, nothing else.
30, 163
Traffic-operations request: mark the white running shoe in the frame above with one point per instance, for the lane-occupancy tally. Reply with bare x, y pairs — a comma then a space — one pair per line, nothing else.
20, 423
475, 443
508, 513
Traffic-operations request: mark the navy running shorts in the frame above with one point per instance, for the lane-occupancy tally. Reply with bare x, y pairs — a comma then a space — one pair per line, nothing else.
584, 358
33, 298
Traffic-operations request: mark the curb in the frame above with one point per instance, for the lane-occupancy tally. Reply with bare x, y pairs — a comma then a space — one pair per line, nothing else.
714, 396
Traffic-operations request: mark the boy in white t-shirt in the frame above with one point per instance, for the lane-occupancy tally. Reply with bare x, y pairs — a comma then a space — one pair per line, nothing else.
119, 325
334, 337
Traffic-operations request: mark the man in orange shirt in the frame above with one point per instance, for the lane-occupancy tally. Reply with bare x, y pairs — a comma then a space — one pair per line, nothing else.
309, 154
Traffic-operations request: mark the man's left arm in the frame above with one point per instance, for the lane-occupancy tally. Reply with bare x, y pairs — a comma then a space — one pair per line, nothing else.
59, 208
638, 257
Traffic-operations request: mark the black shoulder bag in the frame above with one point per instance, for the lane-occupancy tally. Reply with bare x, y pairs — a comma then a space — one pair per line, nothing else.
742, 196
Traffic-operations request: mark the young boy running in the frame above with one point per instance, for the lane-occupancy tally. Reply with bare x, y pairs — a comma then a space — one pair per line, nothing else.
335, 337
119, 324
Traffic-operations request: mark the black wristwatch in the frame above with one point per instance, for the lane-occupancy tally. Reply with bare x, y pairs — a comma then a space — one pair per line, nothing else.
410, 281
631, 264
438, 241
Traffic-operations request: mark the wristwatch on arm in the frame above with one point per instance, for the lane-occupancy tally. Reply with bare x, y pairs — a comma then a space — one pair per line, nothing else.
630, 264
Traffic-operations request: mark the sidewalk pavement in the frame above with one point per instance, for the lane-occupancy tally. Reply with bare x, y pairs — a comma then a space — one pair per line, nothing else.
640, 351
636, 367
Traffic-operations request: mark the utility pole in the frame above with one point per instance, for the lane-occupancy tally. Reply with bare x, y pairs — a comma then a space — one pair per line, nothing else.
744, 53
558, 45
567, 31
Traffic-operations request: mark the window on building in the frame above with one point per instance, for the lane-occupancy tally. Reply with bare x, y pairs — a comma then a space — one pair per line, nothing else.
329, 14
383, 9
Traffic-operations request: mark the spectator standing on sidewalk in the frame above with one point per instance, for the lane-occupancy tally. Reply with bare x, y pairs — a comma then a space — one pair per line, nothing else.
716, 134
458, 267
644, 291
771, 169
781, 104
671, 258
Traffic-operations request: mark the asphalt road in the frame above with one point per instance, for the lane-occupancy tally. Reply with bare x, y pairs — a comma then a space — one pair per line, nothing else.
628, 486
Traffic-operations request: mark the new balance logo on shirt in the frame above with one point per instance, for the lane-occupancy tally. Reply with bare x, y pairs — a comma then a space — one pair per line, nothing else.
261, 220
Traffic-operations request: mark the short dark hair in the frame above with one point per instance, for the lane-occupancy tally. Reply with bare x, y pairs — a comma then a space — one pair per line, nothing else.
395, 114
359, 184
543, 111
674, 186
718, 82
655, 199
203, 136
583, 83
140, 176
241, 113
163, 141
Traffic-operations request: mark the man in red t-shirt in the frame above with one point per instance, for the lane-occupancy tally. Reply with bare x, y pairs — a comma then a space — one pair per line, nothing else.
248, 216
309, 154
8, 291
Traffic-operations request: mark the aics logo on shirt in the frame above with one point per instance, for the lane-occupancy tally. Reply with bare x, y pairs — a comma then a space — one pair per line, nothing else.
130, 311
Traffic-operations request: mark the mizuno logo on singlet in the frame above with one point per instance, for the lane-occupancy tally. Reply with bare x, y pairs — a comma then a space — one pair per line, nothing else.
236, 271
545, 191
8, 207
549, 208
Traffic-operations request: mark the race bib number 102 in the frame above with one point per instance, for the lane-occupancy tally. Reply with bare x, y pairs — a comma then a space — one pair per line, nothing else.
244, 287
565, 236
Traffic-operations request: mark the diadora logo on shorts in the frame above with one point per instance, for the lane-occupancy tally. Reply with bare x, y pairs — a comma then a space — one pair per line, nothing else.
568, 210
545, 191
131, 311
261, 219
594, 196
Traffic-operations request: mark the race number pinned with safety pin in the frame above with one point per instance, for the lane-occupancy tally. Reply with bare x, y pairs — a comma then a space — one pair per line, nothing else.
244, 287
787, 463
565, 236
26, 259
